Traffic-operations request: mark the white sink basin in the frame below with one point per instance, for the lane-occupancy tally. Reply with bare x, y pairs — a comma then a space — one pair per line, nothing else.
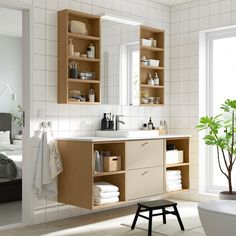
128, 134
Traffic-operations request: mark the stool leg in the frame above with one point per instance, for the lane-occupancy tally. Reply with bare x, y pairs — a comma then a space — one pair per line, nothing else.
163, 215
178, 217
136, 217
150, 223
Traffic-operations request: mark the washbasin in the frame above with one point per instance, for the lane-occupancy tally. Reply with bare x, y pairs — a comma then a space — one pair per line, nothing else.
128, 133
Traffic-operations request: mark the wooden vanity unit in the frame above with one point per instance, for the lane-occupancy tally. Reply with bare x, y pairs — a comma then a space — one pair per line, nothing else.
142, 173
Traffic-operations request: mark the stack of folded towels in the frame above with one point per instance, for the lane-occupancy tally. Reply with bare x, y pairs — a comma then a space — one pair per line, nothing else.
173, 180
104, 193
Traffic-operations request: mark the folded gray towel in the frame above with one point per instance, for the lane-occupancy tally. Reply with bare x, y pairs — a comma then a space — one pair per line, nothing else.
8, 169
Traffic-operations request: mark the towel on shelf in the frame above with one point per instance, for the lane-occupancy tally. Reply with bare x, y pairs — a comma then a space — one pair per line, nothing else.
173, 182
173, 172
104, 187
106, 195
102, 201
173, 178
173, 188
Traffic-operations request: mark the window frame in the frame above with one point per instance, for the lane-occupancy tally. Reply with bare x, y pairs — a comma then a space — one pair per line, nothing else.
209, 38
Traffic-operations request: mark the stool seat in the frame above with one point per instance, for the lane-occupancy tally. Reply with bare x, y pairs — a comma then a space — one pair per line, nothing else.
150, 206
157, 204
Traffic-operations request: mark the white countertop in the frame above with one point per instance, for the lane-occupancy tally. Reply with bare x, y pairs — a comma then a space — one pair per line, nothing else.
105, 139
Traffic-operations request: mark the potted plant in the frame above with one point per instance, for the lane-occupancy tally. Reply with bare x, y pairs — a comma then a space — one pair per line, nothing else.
18, 118
221, 133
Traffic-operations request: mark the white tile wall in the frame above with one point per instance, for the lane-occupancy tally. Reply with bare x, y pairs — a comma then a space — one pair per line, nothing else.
198, 15
76, 119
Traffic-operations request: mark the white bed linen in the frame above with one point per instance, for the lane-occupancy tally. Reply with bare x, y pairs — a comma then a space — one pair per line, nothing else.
14, 152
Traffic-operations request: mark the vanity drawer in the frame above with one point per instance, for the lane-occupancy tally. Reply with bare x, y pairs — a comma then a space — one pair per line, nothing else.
145, 153
144, 182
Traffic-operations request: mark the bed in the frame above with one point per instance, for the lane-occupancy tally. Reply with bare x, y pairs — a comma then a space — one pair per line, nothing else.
11, 190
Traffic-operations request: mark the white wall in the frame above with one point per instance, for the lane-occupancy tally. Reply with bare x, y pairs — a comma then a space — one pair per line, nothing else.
11, 73
186, 22
77, 119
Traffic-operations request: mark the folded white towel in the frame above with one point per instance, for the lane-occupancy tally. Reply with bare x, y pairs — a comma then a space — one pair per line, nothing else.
106, 195
174, 188
104, 187
106, 201
173, 178
173, 172
173, 182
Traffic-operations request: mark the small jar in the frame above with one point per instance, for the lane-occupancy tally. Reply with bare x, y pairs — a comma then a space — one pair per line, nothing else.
156, 79
91, 95
144, 61
150, 80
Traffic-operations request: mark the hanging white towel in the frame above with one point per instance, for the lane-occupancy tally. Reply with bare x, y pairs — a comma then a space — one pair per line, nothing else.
45, 180
55, 160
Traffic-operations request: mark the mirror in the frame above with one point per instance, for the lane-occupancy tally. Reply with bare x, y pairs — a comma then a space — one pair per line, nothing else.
120, 63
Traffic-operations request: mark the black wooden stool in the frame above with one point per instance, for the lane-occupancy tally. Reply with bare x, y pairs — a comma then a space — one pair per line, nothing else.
156, 205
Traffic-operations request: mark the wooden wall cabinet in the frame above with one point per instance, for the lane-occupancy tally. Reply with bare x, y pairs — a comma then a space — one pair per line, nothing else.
156, 53
81, 43
142, 171
181, 144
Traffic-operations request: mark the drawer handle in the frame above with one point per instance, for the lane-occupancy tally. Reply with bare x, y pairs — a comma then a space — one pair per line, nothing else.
145, 172
144, 144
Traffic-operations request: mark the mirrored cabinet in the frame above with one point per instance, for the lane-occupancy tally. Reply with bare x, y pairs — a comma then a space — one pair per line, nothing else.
109, 61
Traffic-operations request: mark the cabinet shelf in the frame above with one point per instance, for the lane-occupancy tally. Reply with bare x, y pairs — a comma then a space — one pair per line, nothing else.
152, 86
109, 205
152, 67
152, 105
152, 48
83, 103
80, 43
109, 173
83, 59
83, 81
178, 191
177, 164
84, 37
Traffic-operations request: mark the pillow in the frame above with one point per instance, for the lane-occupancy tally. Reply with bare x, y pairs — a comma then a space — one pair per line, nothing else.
5, 137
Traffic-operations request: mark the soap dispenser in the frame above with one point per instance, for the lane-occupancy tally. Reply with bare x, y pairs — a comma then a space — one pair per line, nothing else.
150, 124
70, 48
104, 122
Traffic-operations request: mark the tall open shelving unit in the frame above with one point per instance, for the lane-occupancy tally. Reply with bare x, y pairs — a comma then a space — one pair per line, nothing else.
80, 42
156, 53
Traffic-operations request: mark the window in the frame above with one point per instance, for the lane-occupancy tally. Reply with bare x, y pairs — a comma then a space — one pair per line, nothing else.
220, 84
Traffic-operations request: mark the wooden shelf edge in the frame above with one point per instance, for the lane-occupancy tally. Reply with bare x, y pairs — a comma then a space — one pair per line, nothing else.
177, 165
151, 86
81, 36
154, 30
152, 67
179, 191
149, 48
109, 205
84, 81
84, 103
152, 105
83, 59
109, 173
82, 14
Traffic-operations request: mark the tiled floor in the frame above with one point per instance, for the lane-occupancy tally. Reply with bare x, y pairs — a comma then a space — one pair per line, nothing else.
10, 213
116, 223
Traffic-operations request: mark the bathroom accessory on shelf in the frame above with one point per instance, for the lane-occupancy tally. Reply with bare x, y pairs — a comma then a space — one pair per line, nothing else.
174, 156
150, 80
112, 163
78, 27
144, 61
152, 62
86, 75
73, 69
91, 95
70, 48
91, 51
173, 180
156, 79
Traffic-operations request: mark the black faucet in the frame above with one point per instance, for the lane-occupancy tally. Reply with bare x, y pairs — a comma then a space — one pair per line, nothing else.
118, 121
